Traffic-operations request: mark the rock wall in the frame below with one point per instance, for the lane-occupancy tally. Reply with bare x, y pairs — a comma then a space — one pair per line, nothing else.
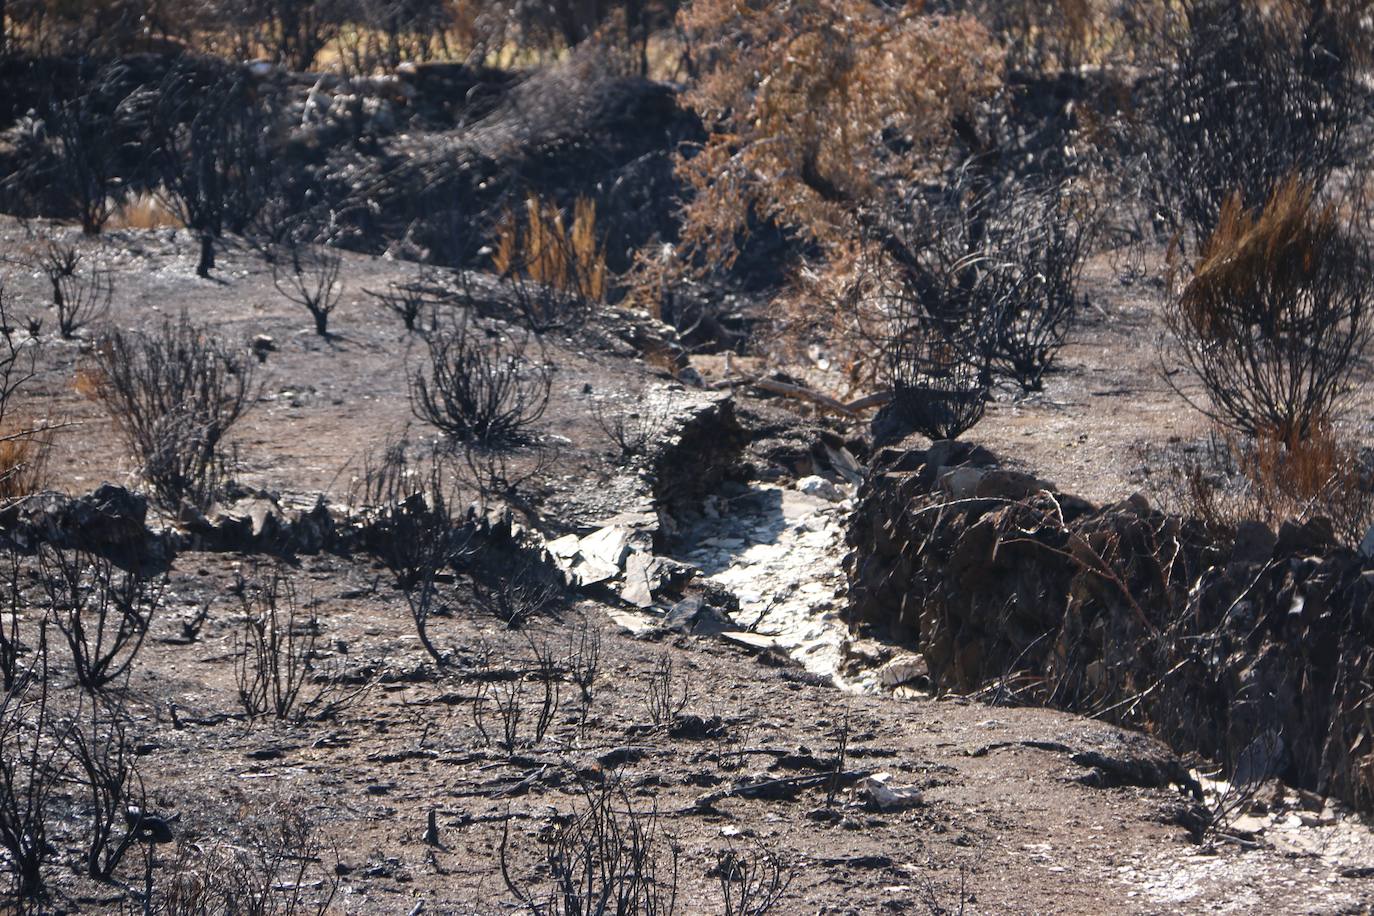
1256, 651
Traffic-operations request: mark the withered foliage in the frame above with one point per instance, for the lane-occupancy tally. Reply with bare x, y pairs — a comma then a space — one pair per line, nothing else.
862, 132
1274, 314
817, 110
1235, 479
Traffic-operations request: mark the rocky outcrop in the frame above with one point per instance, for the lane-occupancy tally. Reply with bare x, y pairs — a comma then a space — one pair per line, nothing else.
110, 521
114, 522
1251, 650
256, 522
784, 447
700, 453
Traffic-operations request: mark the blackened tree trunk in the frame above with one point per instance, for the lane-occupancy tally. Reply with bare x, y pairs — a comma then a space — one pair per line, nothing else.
638, 34
207, 255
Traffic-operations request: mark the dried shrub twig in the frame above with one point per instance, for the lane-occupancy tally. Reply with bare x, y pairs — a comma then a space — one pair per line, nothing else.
609, 857
482, 387
277, 654
173, 395
102, 612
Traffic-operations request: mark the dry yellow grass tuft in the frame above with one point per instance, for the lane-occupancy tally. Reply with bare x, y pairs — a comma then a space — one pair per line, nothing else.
1319, 474
542, 248
143, 211
23, 463
1281, 479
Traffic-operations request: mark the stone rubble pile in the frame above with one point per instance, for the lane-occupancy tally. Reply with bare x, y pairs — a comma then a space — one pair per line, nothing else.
759, 567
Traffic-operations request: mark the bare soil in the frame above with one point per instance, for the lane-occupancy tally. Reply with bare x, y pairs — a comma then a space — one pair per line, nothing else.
1004, 812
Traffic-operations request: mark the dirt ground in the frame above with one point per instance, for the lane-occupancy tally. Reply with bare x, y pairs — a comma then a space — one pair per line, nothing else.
1002, 819
1003, 813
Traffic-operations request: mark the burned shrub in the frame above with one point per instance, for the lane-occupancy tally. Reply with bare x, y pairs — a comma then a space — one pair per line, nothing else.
482, 387
104, 765
405, 507
276, 669
752, 880
407, 510
86, 166
12, 606
583, 667
515, 595
939, 375
409, 301
609, 857
186, 470
277, 864
975, 279
667, 692
963, 282
274, 651
932, 309
542, 307
309, 276
506, 695
79, 295
102, 612
31, 771
1242, 98
496, 474
634, 426
1035, 262
1274, 315
173, 395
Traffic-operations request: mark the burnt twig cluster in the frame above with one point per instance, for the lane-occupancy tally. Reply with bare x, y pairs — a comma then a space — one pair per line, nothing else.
173, 395
483, 386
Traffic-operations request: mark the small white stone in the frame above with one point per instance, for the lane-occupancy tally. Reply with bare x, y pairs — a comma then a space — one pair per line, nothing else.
903, 670
820, 487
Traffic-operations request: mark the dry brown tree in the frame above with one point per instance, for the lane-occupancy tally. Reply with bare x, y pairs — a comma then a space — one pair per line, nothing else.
817, 107
826, 119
